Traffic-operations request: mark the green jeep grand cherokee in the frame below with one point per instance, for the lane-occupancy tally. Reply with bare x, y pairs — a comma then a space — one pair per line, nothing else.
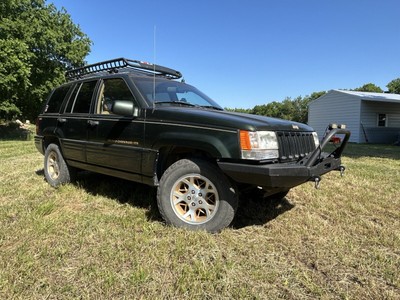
135, 120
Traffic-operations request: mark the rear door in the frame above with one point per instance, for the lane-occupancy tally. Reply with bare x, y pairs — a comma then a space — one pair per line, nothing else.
115, 134
72, 126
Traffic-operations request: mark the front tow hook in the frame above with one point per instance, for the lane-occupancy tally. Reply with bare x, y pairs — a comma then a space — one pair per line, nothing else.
317, 181
341, 169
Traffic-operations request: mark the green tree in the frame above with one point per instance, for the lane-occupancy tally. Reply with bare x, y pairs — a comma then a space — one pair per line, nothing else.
394, 86
369, 87
289, 109
38, 43
239, 110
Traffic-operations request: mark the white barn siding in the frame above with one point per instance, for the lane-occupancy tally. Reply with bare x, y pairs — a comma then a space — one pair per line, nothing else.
334, 107
371, 109
394, 120
369, 117
369, 113
354, 108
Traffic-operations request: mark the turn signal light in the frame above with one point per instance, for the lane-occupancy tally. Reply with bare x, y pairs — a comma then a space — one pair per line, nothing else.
245, 140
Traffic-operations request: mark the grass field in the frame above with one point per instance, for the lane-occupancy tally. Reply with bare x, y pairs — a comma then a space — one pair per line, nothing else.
102, 238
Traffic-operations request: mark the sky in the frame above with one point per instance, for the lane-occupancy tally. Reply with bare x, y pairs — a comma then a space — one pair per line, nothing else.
244, 53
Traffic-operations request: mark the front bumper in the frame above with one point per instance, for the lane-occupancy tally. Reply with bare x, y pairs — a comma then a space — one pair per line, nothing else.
288, 175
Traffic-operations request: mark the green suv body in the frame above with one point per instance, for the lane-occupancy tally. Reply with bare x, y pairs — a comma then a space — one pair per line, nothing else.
136, 121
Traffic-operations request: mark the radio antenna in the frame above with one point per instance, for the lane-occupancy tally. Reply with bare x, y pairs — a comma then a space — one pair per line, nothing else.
154, 66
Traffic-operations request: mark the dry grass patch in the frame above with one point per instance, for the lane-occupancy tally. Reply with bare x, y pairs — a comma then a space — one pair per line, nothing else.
103, 238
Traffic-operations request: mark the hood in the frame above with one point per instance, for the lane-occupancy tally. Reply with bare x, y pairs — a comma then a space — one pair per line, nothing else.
197, 116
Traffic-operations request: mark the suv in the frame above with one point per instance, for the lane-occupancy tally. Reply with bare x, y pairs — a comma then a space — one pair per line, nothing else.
137, 121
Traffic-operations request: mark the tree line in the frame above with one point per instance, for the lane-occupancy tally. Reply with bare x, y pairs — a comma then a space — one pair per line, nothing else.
297, 109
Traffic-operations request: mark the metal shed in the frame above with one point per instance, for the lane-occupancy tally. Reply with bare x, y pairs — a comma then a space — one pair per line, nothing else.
371, 117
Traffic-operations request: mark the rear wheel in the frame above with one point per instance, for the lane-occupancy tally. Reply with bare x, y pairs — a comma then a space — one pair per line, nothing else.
195, 194
56, 170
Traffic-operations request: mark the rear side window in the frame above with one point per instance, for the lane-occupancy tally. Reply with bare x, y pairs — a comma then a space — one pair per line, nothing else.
81, 98
56, 99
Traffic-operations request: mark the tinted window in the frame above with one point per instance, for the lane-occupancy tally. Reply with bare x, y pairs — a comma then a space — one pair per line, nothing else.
72, 99
56, 99
84, 97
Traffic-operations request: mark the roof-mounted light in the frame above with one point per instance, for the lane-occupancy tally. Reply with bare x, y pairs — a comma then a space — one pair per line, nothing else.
335, 126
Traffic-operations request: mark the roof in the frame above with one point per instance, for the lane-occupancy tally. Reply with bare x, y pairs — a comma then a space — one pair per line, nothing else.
382, 97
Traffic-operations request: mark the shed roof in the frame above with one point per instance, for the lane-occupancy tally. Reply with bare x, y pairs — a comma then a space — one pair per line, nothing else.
380, 97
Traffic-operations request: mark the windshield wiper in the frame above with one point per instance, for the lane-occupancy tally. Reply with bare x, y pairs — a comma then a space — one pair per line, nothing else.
176, 102
212, 107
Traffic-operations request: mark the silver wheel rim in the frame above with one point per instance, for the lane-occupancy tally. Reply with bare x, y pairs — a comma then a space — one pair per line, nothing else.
194, 199
53, 168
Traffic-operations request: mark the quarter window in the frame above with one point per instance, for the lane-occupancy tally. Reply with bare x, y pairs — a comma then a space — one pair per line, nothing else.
56, 99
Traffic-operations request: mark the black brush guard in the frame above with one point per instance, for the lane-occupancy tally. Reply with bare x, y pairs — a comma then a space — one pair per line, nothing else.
288, 175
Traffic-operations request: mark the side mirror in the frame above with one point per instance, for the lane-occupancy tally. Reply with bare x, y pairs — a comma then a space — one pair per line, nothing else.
124, 108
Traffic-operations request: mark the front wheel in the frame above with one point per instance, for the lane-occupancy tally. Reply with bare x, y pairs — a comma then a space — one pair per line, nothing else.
56, 170
195, 194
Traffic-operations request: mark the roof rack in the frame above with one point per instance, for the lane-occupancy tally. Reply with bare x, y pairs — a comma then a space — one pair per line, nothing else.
113, 65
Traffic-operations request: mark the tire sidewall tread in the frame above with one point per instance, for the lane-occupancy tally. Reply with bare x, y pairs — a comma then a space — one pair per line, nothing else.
65, 171
228, 196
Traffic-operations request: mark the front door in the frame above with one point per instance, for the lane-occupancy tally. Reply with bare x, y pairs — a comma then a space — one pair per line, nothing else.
116, 135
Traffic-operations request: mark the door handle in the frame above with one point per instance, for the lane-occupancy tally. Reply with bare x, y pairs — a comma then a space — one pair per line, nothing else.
93, 123
61, 120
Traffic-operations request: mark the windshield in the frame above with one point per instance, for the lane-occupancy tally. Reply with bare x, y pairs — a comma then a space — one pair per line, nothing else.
168, 91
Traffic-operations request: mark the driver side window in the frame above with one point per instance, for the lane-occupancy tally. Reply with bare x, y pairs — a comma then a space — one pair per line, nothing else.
113, 92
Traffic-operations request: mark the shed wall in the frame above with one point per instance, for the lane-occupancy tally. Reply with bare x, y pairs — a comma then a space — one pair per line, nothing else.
335, 107
369, 117
371, 109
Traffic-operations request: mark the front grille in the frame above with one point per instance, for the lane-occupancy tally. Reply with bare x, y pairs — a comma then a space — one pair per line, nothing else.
294, 145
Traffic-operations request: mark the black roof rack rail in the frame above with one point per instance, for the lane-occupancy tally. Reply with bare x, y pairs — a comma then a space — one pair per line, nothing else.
113, 65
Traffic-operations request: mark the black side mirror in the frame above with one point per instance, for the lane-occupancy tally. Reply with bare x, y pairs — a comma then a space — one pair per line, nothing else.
124, 108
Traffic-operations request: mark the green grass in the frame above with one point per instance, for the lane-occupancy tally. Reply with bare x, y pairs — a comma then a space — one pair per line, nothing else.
102, 238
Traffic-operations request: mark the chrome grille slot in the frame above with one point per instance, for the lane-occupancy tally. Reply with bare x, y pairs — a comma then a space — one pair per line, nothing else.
294, 145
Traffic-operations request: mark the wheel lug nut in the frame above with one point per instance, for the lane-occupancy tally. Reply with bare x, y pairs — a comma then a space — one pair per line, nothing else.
193, 204
193, 192
200, 202
189, 198
200, 194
